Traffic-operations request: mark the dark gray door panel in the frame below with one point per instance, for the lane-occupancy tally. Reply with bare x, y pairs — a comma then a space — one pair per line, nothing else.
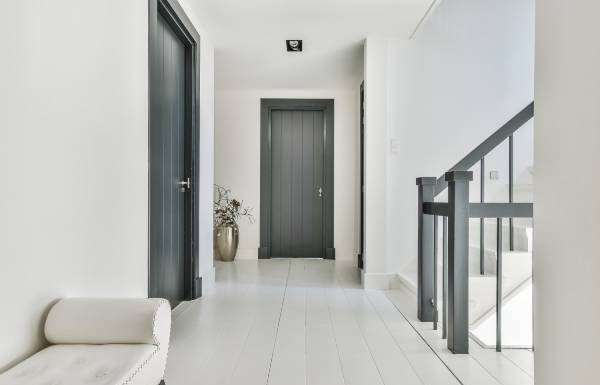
168, 168
296, 179
297, 139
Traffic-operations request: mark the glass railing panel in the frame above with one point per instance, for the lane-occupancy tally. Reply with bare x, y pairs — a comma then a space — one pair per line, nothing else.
475, 185
523, 163
496, 174
474, 224
442, 197
523, 183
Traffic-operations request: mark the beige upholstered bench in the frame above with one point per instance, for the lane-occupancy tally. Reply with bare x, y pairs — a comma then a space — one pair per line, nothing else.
100, 341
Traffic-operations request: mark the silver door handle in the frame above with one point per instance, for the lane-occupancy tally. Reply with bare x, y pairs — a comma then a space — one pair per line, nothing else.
185, 184
320, 192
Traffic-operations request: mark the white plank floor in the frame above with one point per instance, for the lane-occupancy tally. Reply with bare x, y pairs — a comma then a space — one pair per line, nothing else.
287, 322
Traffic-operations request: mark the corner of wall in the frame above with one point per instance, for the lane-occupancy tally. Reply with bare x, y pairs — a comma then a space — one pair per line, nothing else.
376, 281
208, 280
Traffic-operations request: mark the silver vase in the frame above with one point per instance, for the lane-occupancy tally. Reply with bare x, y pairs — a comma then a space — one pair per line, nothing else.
227, 239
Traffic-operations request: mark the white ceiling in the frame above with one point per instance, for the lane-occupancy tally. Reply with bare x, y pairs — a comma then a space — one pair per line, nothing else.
249, 38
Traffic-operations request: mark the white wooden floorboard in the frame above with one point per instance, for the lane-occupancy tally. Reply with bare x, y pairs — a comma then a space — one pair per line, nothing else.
199, 338
288, 365
254, 362
523, 358
481, 366
430, 369
393, 364
357, 363
323, 364
308, 322
497, 364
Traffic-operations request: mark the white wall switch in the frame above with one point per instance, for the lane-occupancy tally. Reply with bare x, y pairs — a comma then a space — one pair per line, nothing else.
394, 146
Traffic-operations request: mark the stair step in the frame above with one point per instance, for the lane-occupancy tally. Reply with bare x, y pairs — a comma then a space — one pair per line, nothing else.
517, 322
516, 271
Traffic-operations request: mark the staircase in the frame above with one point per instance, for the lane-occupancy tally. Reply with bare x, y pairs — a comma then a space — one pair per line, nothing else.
517, 271
517, 305
478, 283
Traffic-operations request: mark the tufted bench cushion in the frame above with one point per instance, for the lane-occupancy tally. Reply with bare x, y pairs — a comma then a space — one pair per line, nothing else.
87, 364
100, 341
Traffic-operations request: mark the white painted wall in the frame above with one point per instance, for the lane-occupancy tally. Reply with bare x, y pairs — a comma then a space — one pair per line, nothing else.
466, 72
376, 73
237, 159
74, 159
206, 149
567, 190
207, 164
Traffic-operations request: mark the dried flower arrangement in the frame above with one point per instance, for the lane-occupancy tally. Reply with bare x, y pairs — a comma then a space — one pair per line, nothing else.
228, 210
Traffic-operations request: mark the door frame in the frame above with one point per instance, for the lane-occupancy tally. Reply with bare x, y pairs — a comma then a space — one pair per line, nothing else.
266, 107
183, 27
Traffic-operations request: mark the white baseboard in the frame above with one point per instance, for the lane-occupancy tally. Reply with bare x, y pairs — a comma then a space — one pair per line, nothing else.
180, 309
208, 280
247, 254
403, 282
377, 281
208, 286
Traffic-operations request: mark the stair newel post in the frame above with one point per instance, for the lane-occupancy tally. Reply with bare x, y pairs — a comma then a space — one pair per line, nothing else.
425, 309
458, 260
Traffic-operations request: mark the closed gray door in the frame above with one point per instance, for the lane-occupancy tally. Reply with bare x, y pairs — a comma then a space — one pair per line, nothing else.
297, 162
168, 169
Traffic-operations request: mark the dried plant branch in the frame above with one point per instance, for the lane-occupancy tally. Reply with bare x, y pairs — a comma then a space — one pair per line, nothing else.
228, 210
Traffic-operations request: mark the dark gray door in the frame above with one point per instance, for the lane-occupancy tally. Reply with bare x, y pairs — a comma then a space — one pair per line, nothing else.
361, 249
297, 172
168, 191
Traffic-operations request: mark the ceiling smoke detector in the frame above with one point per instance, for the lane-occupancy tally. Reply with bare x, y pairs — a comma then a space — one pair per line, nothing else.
294, 45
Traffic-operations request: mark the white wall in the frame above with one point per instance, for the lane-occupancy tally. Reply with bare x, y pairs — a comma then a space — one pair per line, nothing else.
206, 150
73, 159
376, 73
466, 72
567, 191
237, 159
207, 164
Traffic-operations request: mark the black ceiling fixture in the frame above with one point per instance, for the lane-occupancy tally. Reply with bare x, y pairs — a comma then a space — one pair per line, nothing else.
294, 45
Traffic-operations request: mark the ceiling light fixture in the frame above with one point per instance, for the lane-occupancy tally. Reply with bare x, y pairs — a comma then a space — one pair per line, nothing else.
294, 45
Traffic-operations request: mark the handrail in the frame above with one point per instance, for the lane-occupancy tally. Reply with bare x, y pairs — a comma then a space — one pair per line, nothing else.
488, 145
483, 210
456, 213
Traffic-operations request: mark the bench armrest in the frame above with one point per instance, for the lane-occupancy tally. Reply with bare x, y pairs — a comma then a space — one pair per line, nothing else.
109, 321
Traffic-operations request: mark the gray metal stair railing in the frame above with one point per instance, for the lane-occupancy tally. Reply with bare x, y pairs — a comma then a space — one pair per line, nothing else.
456, 214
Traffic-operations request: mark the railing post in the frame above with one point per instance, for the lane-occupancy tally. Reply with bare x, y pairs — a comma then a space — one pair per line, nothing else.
445, 278
499, 285
511, 190
458, 260
435, 271
425, 309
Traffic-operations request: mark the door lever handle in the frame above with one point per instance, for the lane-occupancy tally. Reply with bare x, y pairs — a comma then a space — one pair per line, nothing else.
320, 192
185, 184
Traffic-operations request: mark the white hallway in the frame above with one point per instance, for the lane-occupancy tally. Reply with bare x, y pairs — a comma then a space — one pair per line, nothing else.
292, 322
